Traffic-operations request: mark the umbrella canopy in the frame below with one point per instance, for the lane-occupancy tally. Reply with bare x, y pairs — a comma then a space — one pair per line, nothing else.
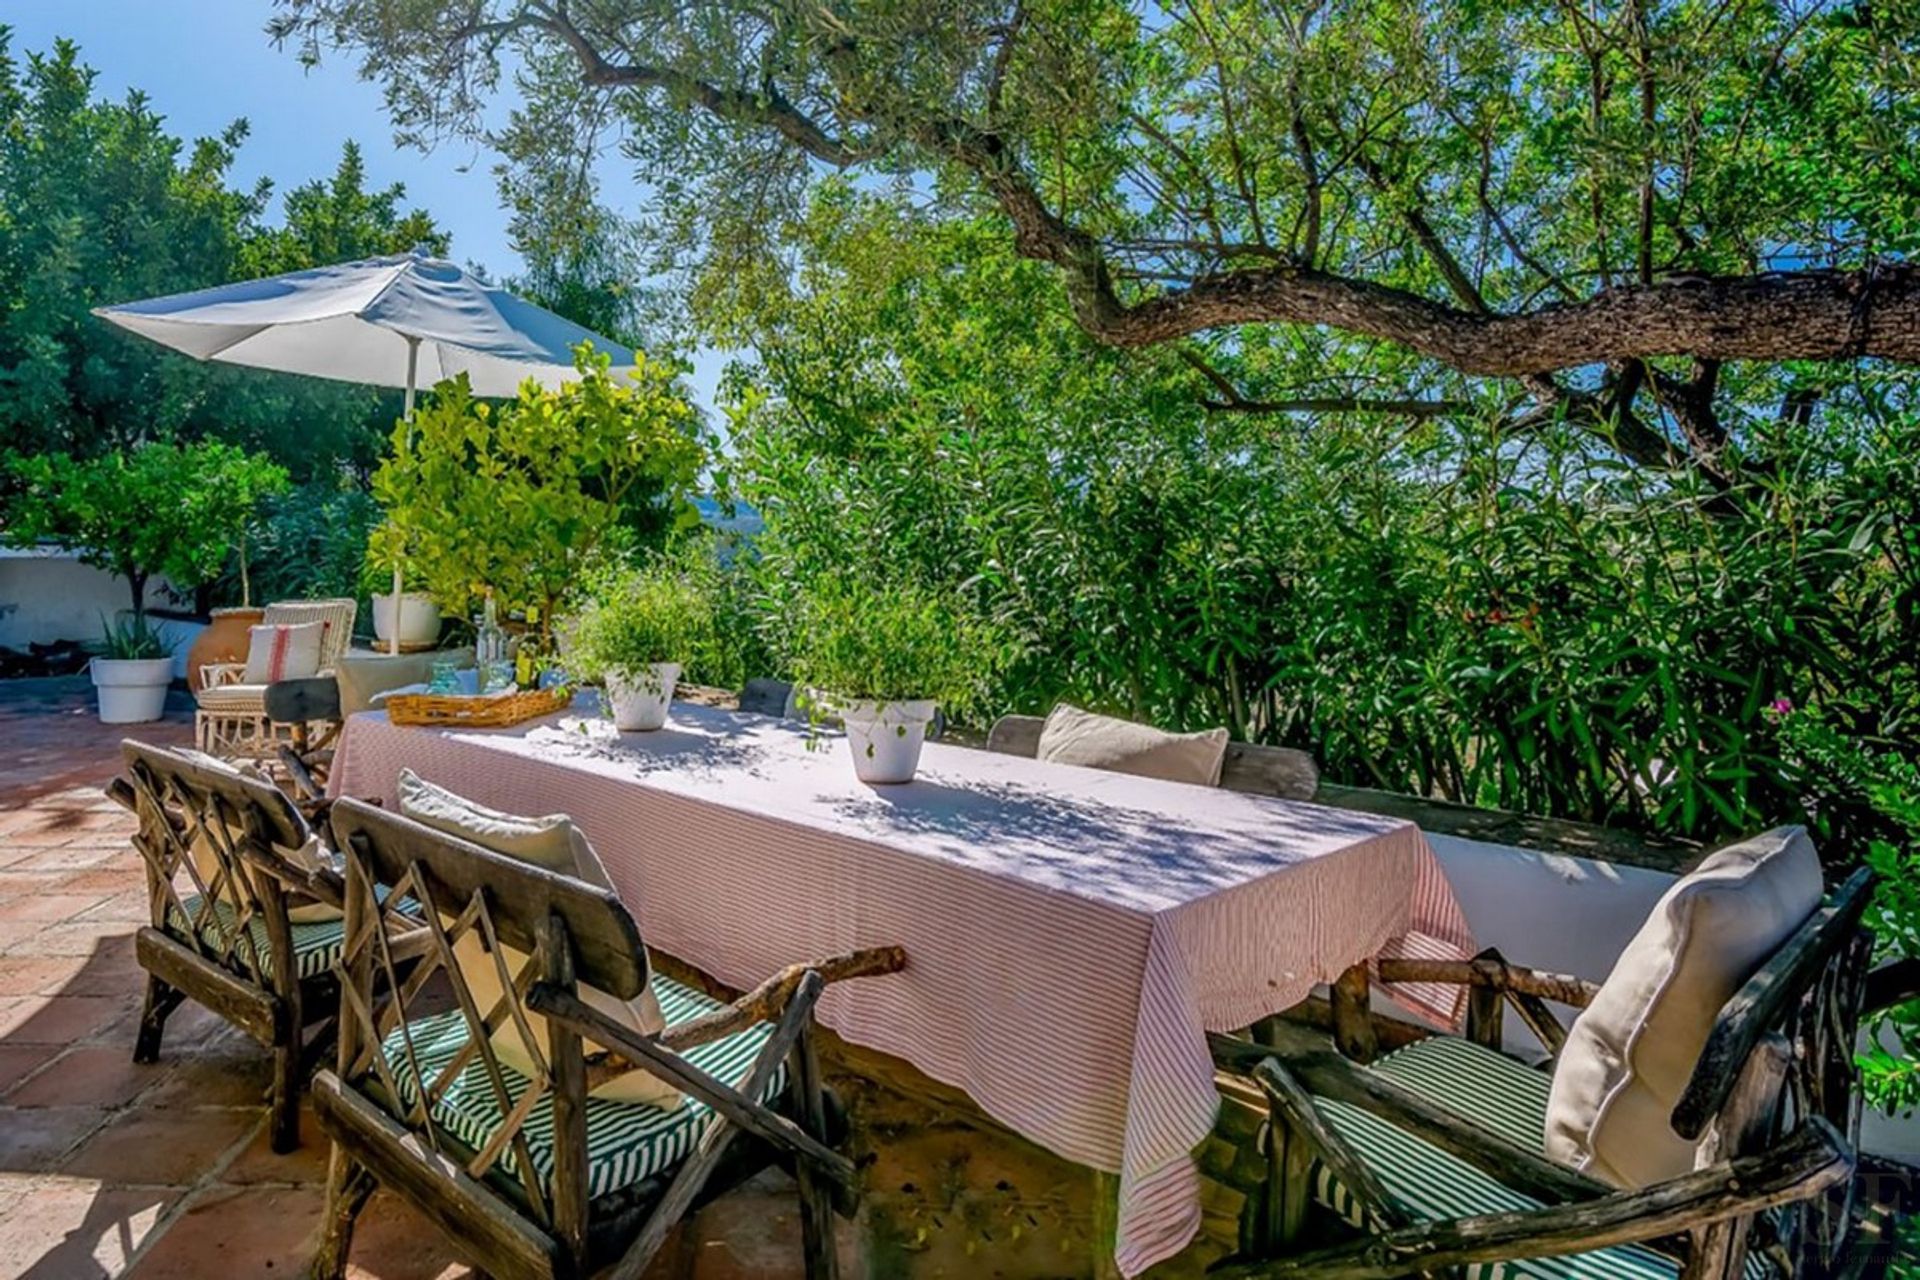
361, 321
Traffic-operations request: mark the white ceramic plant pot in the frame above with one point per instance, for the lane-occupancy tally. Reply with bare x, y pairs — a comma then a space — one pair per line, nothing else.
419, 618
640, 698
886, 737
132, 690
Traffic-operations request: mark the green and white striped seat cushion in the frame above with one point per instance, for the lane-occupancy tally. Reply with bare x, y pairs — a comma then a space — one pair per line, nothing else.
1502, 1095
627, 1142
315, 946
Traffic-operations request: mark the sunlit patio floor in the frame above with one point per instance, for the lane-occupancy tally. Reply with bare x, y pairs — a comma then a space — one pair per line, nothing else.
110, 1169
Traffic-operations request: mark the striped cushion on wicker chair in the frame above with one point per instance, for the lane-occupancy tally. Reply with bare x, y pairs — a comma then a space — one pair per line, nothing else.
315, 946
627, 1142
1502, 1095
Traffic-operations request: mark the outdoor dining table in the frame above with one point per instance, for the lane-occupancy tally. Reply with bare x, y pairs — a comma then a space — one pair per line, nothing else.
1071, 934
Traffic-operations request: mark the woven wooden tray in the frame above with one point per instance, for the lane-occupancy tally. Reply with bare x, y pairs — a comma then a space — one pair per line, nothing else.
475, 712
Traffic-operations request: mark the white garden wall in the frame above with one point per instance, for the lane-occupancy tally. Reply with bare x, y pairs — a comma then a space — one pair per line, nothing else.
46, 594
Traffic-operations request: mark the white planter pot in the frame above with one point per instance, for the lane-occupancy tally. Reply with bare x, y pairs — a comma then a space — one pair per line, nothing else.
132, 690
639, 699
885, 738
419, 618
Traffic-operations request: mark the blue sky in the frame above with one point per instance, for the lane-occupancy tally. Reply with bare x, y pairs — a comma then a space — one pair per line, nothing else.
205, 63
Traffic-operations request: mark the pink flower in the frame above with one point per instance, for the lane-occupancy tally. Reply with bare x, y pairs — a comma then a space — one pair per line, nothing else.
1781, 706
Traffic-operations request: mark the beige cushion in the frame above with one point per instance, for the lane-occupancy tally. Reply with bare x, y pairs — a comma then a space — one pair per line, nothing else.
556, 844
289, 651
1632, 1051
239, 699
1073, 736
310, 856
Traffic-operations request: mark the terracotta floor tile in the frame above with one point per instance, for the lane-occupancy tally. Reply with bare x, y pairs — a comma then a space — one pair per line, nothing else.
235, 1232
34, 1141
77, 1230
111, 878
36, 975
14, 932
59, 1020
221, 1074
391, 1241
18, 1061
305, 1166
74, 938
67, 857
90, 1075
154, 1146
129, 905
50, 907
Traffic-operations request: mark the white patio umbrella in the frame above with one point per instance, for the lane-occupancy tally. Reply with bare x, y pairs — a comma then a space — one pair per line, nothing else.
391, 322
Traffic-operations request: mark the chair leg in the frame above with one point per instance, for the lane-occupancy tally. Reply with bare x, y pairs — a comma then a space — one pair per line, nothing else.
161, 1001
287, 1075
348, 1186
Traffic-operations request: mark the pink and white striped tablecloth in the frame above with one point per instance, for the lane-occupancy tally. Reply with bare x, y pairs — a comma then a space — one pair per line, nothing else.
1050, 913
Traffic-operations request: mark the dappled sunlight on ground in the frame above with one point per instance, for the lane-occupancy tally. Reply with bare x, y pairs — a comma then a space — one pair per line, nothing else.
112, 1169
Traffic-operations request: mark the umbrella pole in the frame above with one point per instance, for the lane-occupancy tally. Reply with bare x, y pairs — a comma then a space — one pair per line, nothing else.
413, 370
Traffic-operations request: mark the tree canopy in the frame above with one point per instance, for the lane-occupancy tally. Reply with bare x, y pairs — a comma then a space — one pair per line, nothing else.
99, 204
1634, 213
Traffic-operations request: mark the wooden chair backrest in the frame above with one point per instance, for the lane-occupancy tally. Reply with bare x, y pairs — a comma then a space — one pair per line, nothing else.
1256, 770
338, 615
1806, 999
571, 933
239, 824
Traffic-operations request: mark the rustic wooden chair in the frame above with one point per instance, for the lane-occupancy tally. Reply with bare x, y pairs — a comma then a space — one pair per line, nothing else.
1248, 767
528, 1175
229, 937
1435, 1149
232, 718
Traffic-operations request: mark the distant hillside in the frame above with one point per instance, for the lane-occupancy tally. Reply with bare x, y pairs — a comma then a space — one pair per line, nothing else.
745, 523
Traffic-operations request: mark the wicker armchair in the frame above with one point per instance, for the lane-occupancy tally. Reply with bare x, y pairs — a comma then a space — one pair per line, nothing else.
231, 718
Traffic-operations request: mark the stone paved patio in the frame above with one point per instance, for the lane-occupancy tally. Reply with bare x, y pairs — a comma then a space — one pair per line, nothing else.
109, 1169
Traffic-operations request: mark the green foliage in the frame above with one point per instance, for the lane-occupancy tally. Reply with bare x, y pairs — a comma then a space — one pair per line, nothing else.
1888, 782
861, 639
131, 639
174, 510
100, 205
636, 617
1507, 619
312, 543
517, 498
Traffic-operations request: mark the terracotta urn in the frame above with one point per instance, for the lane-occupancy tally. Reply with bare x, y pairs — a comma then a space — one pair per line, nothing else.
224, 640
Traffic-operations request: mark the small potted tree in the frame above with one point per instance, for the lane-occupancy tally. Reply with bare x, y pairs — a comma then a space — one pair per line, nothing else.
884, 659
636, 635
517, 499
157, 511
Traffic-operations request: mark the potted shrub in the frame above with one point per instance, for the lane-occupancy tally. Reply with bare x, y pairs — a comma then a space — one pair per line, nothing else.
516, 499
636, 635
884, 659
132, 672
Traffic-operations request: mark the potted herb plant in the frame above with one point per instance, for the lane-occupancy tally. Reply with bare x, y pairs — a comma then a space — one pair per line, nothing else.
637, 633
132, 672
884, 658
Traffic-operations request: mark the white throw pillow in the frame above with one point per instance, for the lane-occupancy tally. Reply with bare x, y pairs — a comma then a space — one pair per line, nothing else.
284, 651
555, 844
1631, 1053
1073, 736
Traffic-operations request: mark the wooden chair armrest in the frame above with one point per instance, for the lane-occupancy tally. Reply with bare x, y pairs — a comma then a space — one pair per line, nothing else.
1310, 1058
1758, 1007
569, 1010
767, 1001
1809, 1161
1492, 973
